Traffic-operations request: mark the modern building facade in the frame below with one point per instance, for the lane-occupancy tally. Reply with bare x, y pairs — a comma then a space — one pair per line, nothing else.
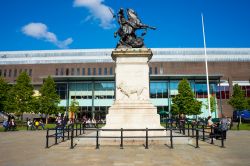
87, 75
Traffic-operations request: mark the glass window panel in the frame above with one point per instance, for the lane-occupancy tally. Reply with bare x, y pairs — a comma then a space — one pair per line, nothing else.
156, 70
110, 71
62, 71
30, 72
78, 71
89, 71
83, 71
5, 73
10, 73
105, 71
15, 72
100, 71
173, 88
72, 71
158, 90
67, 72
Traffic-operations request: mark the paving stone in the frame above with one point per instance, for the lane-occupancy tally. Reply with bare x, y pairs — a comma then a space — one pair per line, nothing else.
27, 148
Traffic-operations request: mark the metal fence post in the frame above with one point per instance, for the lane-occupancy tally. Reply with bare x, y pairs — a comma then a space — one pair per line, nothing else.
63, 133
146, 147
192, 130
76, 129
197, 138
56, 136
97, 139
72, 137
121, 145
212, 135
184, 127
83, 128
203, 132
80, 128
47, 139
68, 131
171, 138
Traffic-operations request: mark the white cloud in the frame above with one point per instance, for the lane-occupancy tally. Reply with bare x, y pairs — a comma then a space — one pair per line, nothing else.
98, 11
40, 31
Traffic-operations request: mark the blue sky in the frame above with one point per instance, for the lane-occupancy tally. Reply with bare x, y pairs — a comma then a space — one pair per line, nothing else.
77, 24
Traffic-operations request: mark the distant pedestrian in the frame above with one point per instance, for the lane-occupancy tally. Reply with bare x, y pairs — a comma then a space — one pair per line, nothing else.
36, 124
41, 124
29, 125
182, 120
12, 124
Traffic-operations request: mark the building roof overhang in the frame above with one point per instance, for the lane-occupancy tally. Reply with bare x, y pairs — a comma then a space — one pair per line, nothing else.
197, 77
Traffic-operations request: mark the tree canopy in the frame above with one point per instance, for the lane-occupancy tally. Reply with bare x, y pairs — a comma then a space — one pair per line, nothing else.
49, 99
238, 100
185, 102
23, 94
4, 89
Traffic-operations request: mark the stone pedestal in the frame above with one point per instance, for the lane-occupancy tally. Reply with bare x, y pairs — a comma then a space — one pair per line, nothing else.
132, 108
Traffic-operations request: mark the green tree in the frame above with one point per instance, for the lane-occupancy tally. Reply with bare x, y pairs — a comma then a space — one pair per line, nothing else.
23, 94
185, 102
49, 98
4, 89
74, 108
238, 100
213, 103
248, 101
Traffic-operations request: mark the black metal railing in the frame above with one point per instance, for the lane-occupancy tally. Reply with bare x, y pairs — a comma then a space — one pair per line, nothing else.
77, 130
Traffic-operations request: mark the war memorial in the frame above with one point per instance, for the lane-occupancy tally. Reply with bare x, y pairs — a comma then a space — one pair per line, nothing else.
130, 89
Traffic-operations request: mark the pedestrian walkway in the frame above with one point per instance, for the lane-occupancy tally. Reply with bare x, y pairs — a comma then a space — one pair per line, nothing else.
25, 148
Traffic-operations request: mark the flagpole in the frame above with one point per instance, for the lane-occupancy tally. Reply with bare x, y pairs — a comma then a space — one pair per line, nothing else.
205, 49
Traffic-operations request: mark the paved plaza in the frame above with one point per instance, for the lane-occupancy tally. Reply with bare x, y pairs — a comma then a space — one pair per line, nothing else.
26, 148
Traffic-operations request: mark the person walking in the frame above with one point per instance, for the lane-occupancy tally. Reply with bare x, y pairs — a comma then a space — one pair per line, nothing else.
223, 127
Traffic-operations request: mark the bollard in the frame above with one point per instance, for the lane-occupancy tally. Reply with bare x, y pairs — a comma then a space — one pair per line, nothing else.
97, 139
146, 147
56, 136
197, 138
203, 132
171, 138
72, 137
121, 145
188, 130
47, 139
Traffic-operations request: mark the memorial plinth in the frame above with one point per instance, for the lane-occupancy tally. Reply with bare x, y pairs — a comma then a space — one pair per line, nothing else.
132, 108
